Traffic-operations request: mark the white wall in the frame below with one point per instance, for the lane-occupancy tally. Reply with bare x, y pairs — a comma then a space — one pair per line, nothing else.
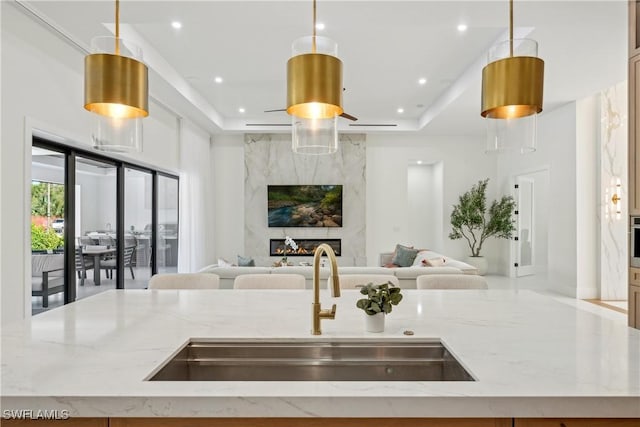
42, 88
228, 177
556, 151
388, 158
587, 196
424, 205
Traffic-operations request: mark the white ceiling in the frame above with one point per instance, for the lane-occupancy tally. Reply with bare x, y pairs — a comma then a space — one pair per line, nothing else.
385, 46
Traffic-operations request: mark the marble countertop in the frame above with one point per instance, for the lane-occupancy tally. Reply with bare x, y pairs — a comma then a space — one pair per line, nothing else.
532, 355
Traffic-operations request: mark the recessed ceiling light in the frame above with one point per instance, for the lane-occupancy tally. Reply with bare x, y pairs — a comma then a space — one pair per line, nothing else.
419, 162
176, 24
241, 110
400, 110
218, 79
462, 28
422, 81
320, 26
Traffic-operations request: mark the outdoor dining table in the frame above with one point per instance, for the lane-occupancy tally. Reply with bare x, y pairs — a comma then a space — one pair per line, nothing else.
97, 254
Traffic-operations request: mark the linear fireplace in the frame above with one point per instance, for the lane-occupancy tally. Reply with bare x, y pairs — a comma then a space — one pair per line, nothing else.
306, 247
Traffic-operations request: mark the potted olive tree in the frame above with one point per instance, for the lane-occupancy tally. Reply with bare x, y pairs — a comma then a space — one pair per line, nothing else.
378, 303
471, 220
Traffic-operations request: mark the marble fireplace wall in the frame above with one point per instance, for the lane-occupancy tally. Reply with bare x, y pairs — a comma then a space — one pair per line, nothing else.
613, 170
270, 161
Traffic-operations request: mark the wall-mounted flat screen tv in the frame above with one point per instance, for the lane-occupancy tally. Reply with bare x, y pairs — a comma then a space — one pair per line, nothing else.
304, 205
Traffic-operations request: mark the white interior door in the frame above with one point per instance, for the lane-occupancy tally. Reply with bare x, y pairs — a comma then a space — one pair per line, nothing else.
526, 226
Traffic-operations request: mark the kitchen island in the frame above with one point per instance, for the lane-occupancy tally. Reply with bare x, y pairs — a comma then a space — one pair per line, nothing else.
531, 356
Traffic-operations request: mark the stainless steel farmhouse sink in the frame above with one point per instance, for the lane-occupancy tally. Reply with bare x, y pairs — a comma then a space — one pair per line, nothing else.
202, 360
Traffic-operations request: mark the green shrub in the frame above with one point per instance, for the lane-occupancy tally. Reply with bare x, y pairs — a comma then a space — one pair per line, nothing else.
43, 238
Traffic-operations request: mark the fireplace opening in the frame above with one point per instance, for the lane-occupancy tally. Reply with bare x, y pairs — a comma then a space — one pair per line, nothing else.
306, 247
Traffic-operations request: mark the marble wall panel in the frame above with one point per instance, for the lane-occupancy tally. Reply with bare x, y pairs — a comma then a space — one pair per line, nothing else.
270, 161
613, 171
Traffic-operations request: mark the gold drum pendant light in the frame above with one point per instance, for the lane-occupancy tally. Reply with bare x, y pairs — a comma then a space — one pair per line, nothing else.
314, 94
512, 90
116, 90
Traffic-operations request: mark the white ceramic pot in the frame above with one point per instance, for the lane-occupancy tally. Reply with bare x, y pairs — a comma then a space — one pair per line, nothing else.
479, 262
374, 323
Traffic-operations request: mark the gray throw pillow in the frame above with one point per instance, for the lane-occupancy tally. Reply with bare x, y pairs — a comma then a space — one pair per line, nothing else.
246, 261
404, 256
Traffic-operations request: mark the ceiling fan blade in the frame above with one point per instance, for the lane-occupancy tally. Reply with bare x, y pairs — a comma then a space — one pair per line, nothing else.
344, 115
348, 117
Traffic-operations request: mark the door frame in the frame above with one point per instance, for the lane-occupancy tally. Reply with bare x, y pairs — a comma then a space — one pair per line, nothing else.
513, 247
525, 270
34, 136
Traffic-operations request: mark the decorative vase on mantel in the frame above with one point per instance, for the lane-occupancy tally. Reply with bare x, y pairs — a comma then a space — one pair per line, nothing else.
374, 322
480, 263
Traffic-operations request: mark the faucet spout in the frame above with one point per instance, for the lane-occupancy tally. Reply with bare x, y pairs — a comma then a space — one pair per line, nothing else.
317, 312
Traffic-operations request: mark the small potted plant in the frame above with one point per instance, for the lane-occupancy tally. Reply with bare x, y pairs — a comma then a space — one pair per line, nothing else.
379, 302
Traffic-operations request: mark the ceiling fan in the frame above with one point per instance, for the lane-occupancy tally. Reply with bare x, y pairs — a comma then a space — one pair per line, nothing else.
345, 115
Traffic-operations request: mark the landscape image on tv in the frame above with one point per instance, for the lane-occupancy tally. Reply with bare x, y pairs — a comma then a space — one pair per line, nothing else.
304, 205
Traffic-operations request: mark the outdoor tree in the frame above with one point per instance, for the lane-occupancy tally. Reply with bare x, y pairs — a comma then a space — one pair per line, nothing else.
43, 193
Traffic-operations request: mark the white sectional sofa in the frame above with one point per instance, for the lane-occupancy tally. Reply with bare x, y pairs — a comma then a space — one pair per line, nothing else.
406, 275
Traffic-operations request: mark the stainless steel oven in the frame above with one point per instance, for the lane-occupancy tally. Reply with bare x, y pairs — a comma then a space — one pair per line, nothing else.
635, 242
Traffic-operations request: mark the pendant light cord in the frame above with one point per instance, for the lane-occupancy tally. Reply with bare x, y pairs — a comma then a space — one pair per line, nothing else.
510, 28
313, 40
117, 27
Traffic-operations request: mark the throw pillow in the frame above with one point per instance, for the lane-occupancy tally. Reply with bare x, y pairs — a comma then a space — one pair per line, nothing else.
425, 254
434, 262
246, 261
224, 263
404, 256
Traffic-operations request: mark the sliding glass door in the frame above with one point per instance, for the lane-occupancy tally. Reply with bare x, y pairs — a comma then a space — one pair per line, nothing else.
138, 218
102, 222
47, 229
96, 232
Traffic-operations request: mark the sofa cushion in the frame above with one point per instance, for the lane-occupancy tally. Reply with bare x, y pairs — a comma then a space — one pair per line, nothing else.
385, 258
426, 255
434, 259
434, 262
466, 268
224, 263
246, 261
365, 270
232, 272
307, 272
404, 256
353, 281
413, 272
